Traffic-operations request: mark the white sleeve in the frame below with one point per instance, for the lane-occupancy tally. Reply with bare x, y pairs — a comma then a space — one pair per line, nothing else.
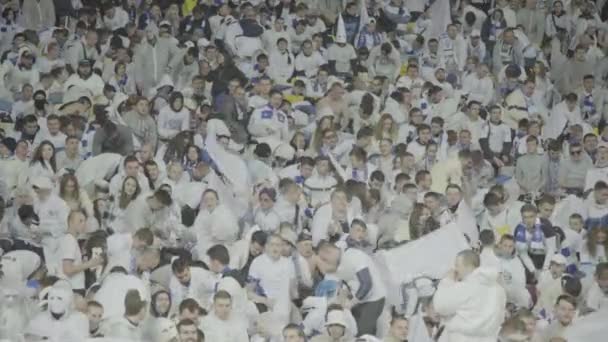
256, 126
163, 119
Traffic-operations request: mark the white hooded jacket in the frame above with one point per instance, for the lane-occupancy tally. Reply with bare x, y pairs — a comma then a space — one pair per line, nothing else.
474, 308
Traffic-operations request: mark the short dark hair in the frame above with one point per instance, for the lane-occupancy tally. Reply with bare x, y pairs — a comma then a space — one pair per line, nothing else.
180, 264
260, 237
145, 235
163, 197
185, 322
601, 268
189, 304
567, 298
529, 208
487, 237
219, 253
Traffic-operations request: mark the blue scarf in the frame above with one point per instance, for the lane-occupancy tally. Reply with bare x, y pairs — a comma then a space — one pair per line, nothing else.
537, 239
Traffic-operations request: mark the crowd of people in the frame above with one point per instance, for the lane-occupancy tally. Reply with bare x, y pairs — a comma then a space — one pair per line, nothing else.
232, 170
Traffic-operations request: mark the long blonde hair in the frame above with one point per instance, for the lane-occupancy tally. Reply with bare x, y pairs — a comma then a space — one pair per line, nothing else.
379, 130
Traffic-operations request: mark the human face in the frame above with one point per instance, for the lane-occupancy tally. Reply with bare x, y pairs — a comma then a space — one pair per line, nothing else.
305, 248
601, 196
306, 170
322, 167
531, 146
53, 126
142, 107
399, 329
184, 276
576, 224
255, 249
431, 203
276, 100
453, 197
357, 232
576, 153
385, 148
132, 168
335, 331
47, 152
506, 246
210, 201
274, 247
564, 312
94, 314
602, 281
162, 303
529, 218
495, 115
30, 127
339, 201
71, 146
546, 210
188, 333
130, 187
528, 89
222, 308
292, 335
266, 202
70, 187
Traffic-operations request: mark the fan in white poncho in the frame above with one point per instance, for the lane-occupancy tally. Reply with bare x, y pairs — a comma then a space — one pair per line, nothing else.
114, 288
59, 323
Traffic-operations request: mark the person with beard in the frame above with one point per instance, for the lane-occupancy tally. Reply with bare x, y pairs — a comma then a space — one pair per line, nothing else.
187, 68
158, 55
86, 48
84, 78
59, 322
22, 72
188, 281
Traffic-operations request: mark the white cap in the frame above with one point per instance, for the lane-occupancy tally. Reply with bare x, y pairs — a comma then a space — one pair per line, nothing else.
475, 33
285, 151
559, 259
602, 144
335, 317
42, 183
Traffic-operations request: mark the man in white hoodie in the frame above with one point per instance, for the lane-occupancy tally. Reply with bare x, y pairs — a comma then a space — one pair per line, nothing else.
221, 325
597, 296
471, 300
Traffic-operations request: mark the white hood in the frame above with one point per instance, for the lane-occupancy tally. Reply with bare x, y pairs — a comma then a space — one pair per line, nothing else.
474, 308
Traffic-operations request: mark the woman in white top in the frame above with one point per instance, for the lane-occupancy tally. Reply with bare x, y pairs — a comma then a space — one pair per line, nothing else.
214, 224
543, 92
594, 249
43, 162
76, 198
128, 194
386, 128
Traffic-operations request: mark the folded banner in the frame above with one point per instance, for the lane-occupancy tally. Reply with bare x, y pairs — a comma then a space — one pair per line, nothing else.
432, 255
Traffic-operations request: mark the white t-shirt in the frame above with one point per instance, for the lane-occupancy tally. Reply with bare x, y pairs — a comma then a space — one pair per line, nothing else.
69, 250
353, 261
342, 56
274, 277
497, 135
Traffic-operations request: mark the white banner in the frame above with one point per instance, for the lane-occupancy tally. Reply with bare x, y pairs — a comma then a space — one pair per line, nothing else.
432, 255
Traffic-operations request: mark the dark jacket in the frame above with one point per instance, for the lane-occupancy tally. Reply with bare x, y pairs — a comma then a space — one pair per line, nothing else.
113, 138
